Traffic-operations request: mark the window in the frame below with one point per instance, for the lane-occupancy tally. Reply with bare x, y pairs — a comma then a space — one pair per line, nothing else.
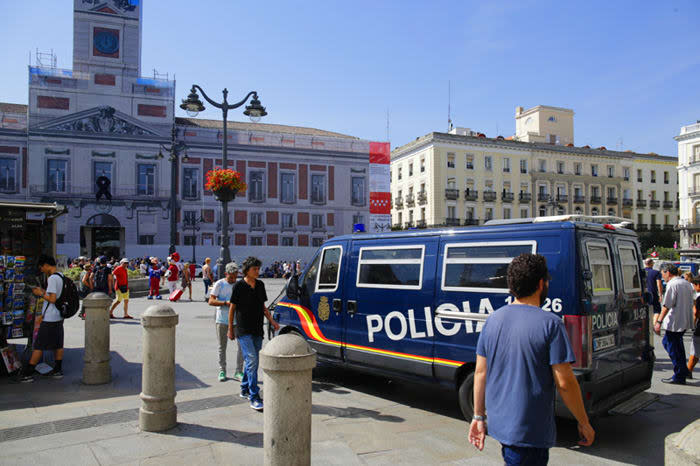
543, 211
318, 189
611, 171
506, 212
256, 220
287, 220
358, 190
287, 191
190, 240
359, 218
524, 213
287, 241
8, 174
481, 266
317, 221
601, 268
256, 186
450, 160
595, 211
506, 165
316, 242
543, 165
626, 173
470, 162
422, 165
523, 166
60, 238
594, 170
399, 175
146, 239
488, 165
451, 211
666, 178
410, 169
639, 176
577, 168
330, 269
560, 168
400, 267
611, 193
56, 175
256, 241
102, 169
190, 180
488, 213
146, 179
653, 176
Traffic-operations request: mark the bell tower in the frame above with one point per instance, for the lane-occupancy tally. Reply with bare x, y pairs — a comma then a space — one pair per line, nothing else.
107, 37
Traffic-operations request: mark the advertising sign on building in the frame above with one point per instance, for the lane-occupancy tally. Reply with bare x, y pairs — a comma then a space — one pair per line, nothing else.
379, 190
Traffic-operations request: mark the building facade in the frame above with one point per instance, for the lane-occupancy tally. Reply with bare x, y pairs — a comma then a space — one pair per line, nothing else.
91, 138
465, 178
689, 188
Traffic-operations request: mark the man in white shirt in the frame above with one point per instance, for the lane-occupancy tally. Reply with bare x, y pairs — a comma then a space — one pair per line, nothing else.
221, 298
50, 336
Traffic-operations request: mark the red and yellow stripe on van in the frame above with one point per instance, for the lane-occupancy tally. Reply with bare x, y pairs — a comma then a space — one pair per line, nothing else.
312, 330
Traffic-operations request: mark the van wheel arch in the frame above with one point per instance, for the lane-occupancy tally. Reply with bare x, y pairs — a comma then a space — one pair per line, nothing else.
464, 383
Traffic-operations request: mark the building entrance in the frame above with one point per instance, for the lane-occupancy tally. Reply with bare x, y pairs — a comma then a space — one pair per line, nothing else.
102, 235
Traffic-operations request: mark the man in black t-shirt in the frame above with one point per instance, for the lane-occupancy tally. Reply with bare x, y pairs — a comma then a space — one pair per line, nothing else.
247, 309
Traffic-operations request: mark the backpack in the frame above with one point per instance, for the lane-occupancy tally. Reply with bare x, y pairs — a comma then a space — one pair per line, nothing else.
101, 279
69, 301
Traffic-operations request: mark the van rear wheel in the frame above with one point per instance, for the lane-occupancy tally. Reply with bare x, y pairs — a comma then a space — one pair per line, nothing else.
466, 397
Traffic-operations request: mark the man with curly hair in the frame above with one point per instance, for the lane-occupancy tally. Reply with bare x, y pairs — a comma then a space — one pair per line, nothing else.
523, 353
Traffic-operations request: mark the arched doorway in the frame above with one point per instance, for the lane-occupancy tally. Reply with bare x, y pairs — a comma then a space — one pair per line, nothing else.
102, 235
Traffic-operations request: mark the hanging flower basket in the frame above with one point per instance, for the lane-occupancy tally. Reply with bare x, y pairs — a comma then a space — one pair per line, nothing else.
225, 184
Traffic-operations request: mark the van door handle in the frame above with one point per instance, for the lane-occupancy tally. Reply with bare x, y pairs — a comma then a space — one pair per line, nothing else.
352, 307
337, 305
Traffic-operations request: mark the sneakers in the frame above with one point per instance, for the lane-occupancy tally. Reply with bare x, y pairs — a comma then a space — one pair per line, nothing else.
26, 378
149, 297
159, 297
222, 376
238, 376
54, 374
244, 394
256, 404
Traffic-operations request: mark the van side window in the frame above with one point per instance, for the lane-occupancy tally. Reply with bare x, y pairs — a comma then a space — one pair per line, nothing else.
601, 267
311, 274
481, 266
330, 269
630, 269
400, 267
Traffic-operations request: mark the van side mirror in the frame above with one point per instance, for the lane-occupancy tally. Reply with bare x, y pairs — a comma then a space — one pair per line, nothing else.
293, 287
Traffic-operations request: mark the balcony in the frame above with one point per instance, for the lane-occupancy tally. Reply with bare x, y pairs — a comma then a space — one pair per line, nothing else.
562, 198
655, 227
471, 195
318, 200
693, 191
641, 203
256, 227
422, 198
596, 199
398, 202
410, 200
668, 204
319, 227
124, 193
452, 194
421, 224
489, 196
288, 227
471, 221
452, 222
543, 197
525, 197
627, 202
668, 226
641, 227
408, 224
654, 204
611, 201
579, 199
507, 197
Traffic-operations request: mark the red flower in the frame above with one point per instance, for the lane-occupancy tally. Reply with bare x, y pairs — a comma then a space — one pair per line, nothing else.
220, 178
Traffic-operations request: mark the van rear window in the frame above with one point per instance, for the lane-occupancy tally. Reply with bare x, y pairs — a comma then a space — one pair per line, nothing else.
481, 266
601, 267
398, 267
630, 269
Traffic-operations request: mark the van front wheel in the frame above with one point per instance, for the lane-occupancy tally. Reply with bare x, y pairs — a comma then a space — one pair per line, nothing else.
466, 397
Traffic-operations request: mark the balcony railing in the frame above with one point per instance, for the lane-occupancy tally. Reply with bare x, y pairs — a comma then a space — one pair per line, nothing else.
641, 227
288, 227
693, 191
134, 192
562, 198
627, 202
542, 197
579, 199
452, 194
611, 200
489, 196
410, 200
422, 198
596, 199
668, 204
525, 197
655, 227
641, 203
654, 204
471, 221
452, 222
421, 224
507, 197
668, 226
471, 195
408, 224
398, 202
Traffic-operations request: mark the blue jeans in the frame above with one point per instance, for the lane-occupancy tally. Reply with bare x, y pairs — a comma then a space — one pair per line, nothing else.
525, 456
207, 284
673, 344
250, 345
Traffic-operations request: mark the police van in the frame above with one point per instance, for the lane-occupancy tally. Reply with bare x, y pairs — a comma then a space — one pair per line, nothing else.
412, 303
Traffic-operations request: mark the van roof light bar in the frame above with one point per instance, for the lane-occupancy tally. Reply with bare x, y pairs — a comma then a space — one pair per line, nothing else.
618, 222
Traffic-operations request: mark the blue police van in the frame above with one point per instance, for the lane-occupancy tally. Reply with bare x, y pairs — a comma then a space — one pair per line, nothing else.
412, 304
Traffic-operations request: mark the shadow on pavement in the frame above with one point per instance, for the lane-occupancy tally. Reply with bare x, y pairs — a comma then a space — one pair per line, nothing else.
354, 413
126, 380
216, 434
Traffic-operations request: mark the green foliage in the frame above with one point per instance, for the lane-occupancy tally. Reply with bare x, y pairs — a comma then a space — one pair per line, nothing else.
669, 254
133, 274
657, 239
73, 274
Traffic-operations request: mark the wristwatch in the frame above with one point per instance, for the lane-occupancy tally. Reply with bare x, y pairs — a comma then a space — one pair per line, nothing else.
479, 418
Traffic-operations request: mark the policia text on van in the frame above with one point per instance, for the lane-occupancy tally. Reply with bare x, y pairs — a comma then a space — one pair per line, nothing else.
412, 304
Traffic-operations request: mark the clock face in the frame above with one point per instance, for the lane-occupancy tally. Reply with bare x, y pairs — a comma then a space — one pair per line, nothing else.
106, 42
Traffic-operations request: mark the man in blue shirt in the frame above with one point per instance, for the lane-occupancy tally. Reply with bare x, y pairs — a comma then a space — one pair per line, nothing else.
654, 285
522, 354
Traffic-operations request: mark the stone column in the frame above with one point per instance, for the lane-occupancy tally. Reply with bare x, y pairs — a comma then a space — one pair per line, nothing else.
683, 448
287, 362
158, 411
96, 368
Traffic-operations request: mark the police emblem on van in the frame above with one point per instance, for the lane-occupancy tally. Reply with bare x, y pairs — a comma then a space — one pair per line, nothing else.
324, 310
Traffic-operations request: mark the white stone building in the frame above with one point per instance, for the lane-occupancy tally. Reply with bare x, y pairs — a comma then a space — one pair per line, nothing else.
689, 188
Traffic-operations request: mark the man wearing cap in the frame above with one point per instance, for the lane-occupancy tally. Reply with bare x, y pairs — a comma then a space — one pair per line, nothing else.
221, 298
121, 288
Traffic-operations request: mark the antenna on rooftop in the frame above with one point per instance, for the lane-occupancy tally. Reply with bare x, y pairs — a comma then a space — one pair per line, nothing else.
449, 106
45, 59
620, 144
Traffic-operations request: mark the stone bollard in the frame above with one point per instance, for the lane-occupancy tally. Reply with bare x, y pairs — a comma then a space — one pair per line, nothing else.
158, 411
287, 361
683, 448
96, 368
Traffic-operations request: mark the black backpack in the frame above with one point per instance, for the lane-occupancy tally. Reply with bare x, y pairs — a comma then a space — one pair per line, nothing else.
101, 279
69, 301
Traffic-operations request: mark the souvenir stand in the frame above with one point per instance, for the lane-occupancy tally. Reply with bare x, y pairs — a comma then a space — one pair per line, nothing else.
27, 229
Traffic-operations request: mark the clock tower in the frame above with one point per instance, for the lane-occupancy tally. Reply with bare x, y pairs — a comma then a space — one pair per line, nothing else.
107, 37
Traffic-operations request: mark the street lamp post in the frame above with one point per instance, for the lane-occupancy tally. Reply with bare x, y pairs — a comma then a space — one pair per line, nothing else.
193, 105
175, 148
552, 202
193, 223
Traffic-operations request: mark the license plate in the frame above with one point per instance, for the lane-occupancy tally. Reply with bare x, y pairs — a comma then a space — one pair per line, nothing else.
602, 343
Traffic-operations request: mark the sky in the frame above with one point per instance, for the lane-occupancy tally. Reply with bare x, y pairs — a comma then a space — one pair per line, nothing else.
630, 70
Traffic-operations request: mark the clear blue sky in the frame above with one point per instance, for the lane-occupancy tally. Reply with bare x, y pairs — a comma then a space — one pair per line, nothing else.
629, 69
